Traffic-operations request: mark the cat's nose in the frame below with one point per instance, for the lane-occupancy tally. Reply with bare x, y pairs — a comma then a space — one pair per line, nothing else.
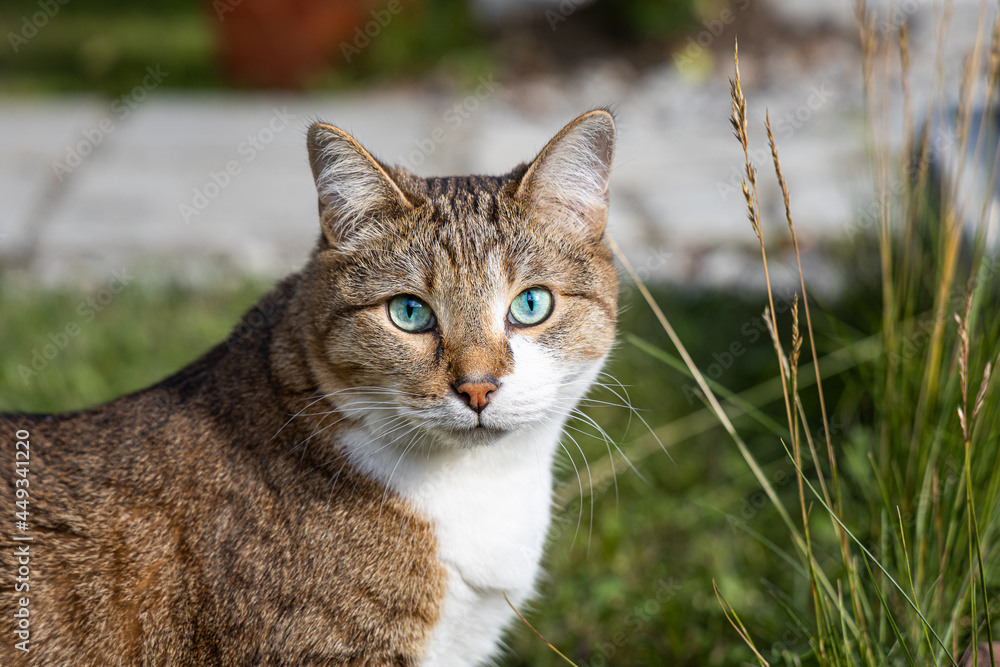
476, 393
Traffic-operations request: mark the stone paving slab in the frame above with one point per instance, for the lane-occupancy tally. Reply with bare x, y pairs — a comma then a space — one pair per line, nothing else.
32, 131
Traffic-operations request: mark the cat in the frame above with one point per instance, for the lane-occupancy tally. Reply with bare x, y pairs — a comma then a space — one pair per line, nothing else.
362, 472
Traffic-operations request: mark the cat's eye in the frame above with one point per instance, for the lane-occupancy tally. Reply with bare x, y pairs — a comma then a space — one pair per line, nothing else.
410, 313
530, 306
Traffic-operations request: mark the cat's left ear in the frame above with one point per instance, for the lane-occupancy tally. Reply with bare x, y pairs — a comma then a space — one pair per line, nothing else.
355, 191
567, 184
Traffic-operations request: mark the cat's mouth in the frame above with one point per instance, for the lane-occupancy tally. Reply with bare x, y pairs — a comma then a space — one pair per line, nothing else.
478, 434
480, 428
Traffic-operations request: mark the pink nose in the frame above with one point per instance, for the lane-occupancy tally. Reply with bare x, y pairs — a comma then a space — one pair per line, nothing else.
476, 394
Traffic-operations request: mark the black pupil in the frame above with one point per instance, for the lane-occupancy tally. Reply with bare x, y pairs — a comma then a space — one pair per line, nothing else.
530, 298
411, 305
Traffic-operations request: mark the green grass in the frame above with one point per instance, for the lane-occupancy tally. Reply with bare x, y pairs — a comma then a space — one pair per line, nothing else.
104, 47
631, 584
142, 335
107, 51
696, 517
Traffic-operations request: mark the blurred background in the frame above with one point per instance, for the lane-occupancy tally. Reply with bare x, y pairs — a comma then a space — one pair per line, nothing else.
154, 182
119, 122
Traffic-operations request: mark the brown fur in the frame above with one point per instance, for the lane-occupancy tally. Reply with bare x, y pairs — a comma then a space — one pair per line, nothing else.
213, 519
169, 531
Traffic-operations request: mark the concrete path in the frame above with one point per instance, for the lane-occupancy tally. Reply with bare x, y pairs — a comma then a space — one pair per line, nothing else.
188, 186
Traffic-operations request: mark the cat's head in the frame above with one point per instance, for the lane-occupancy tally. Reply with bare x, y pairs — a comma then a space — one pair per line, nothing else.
463, 308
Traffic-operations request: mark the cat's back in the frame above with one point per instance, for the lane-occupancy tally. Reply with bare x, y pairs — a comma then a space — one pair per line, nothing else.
77, 462
94, 530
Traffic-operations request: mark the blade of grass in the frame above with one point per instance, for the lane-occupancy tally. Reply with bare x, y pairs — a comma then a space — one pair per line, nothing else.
874, 560
737, 624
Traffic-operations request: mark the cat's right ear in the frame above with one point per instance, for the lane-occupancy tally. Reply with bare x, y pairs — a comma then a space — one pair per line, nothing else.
567, 184
355, 191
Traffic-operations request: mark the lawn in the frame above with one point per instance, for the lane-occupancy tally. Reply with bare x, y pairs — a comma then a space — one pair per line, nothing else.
630, 569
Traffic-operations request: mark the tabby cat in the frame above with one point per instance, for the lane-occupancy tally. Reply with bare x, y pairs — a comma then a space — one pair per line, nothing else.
363, 470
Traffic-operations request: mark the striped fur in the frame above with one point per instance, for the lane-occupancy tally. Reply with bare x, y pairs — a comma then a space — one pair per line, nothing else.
318, 492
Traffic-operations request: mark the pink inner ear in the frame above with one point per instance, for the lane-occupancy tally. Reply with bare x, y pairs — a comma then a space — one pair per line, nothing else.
572, 193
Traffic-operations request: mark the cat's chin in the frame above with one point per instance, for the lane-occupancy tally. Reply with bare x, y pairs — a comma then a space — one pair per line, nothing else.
477, 436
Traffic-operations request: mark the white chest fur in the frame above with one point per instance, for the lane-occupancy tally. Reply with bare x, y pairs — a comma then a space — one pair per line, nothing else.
490, 503
491, 507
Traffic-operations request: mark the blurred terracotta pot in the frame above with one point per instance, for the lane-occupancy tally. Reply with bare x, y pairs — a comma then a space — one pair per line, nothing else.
282, 43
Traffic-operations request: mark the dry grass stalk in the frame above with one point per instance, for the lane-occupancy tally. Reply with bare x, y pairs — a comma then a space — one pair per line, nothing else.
835, 503
796, 337
738, 120
866, 29
963, 364
994, 59
540, 635
983, 385
790, 366
809, 327
739, 124
904, 82
879, 152
953, 215
991, 78
713, 402
805, 302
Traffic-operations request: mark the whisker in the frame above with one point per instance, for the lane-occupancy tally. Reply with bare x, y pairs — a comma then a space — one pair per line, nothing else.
611, 458
590, 484
388, 482
609, 439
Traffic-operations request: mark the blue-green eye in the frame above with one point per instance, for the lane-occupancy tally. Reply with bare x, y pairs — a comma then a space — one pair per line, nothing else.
410, 313
531, 306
